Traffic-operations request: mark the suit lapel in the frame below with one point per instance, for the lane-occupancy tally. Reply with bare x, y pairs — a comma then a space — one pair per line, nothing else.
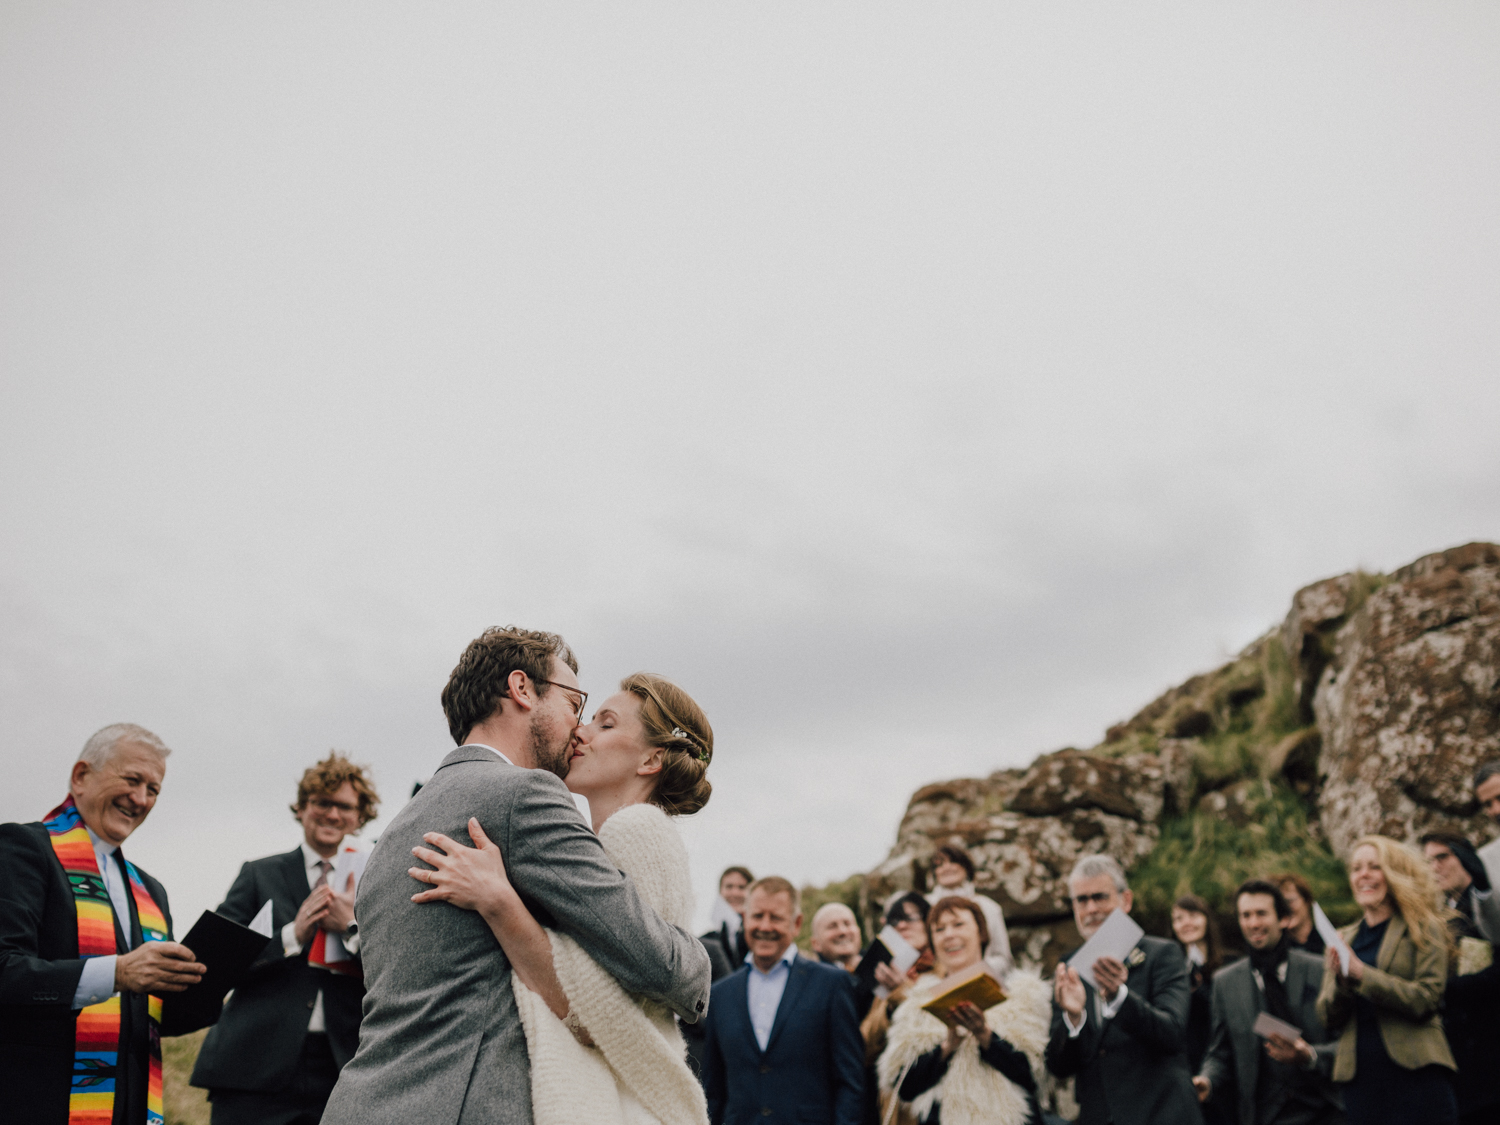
1388, 944
746, 1027
294, 885
796, 981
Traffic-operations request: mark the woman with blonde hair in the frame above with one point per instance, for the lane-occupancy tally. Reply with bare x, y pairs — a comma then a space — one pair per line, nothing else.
598, 1054
971, 1067
1393, 1061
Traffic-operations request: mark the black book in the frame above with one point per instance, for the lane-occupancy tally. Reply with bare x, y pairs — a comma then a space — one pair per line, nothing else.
228, 949
864, 972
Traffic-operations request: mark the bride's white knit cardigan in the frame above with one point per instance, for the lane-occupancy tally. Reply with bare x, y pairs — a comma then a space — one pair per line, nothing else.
637, 1072
972, 1092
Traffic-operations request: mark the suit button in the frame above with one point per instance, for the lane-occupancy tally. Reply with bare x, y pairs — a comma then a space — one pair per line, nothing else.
311, 1002
765, 1070
766, 1112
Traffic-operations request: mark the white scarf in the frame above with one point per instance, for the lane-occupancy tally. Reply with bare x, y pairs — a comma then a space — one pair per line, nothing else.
725, 915
972, 1092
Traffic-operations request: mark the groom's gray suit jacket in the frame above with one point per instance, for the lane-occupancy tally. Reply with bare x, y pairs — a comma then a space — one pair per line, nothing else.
441, 1042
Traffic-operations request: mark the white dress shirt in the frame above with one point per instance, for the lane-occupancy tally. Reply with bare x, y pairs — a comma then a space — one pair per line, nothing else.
97, 984
1107, 1010
765, 991
312, 867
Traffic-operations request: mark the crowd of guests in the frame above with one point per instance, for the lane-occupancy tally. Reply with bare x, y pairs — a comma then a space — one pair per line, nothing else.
1404, 1031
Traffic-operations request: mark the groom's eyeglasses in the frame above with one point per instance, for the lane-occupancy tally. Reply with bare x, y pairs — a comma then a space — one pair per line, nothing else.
583, 696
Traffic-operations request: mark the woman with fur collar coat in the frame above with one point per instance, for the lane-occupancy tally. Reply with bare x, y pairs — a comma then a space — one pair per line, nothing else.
977, 1068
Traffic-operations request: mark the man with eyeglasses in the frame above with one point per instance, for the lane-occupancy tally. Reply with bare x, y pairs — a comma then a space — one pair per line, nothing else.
274, 1056
1124, 1042
442, 1042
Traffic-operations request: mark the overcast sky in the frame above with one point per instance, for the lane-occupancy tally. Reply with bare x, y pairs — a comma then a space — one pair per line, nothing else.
921, 387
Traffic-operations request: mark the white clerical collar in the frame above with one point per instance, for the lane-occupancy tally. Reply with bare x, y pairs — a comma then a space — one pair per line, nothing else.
491, 749
101, 845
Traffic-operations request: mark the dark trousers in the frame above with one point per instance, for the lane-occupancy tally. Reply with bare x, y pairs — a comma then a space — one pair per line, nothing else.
300, 1103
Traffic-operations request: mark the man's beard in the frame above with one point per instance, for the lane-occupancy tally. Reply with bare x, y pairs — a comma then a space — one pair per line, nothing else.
554, 759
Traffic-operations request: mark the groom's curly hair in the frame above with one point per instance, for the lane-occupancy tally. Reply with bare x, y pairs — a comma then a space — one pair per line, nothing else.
478, 684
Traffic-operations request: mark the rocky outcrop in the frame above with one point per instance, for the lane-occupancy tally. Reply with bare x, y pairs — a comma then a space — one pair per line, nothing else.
1408, 703
1366, 710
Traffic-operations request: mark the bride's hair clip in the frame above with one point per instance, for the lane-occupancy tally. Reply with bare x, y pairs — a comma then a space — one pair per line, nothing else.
697, 751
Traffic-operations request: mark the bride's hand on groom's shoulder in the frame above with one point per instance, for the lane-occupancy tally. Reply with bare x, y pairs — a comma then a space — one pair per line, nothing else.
469, 878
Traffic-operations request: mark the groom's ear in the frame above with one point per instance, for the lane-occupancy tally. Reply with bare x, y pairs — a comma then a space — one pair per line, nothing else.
520, 690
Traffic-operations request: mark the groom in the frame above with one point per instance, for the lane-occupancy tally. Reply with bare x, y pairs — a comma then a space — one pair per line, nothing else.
441, 1042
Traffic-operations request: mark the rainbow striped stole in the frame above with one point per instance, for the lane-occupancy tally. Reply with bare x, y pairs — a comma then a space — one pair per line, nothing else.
91, 1099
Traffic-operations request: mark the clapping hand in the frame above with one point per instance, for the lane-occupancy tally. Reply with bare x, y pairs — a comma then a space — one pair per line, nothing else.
469, 878
340, 909
1356, 966
311, 913
1067, 990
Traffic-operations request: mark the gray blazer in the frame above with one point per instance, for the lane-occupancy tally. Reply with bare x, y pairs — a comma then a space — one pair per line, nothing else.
1235, 1052
441, 1042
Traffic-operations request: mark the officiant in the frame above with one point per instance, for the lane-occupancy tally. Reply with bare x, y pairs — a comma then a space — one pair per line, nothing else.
275, 1054
86, 949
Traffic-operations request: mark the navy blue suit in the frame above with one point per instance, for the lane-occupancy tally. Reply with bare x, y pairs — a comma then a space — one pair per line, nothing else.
812, 1071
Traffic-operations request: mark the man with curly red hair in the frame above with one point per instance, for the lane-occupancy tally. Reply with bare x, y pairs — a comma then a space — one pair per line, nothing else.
276, 1052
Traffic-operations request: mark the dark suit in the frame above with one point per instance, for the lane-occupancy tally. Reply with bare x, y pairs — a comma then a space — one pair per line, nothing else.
1237, 1056
39, 972
812, 1070
259, 1041
1133, 1069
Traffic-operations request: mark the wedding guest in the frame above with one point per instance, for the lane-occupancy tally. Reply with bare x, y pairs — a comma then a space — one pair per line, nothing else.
907, 915
969, 1066
1472, 995
1461, 876
725, 945
1196, 931
782, 1038
290, 1026
86, 944
1487, 793
953, 874
1124, 1042
1301, 932
1393, 1061
835, 936
726, 920
1273, 1081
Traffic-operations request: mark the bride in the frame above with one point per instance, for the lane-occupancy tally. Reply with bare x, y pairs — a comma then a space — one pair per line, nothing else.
597, 1053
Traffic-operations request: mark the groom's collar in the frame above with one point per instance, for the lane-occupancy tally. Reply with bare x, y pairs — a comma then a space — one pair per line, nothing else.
491, 749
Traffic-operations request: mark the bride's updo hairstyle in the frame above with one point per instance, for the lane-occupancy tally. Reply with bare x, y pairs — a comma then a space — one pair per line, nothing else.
679, 726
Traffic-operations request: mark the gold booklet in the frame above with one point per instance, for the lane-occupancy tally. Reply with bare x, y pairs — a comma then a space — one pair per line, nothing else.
1474, 954
974, 985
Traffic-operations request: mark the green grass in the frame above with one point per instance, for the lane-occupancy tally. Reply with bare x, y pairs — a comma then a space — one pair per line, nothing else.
1211, 855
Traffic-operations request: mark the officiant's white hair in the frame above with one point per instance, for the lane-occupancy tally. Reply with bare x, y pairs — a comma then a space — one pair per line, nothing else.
1092, 866
104, 744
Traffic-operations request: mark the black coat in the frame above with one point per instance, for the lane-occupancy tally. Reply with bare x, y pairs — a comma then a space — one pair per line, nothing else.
1236, 1055
39, 972
1469, 1021
258, 1040
1134, 1069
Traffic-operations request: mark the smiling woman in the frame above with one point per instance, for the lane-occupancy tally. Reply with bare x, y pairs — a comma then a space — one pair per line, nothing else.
1393, 1063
